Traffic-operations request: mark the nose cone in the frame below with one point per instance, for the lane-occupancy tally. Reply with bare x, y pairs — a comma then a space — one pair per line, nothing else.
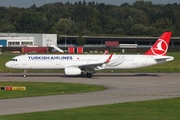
8, 65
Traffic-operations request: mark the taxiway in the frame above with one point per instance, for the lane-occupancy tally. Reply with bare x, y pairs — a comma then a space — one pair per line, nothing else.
121, 87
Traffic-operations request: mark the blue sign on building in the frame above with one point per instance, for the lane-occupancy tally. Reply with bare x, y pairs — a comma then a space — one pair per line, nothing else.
3, 43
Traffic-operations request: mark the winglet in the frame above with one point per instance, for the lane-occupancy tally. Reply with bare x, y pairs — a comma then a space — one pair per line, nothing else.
109, 58
105, 52
160, 47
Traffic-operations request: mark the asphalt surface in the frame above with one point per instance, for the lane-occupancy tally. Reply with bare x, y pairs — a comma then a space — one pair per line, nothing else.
121, 87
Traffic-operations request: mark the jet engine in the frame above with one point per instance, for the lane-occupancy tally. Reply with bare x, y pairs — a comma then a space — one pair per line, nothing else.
72, 71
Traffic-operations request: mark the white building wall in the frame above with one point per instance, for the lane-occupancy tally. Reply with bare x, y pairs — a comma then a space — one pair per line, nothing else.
23, 41
42, 40
37, 38
18, 41
49, 39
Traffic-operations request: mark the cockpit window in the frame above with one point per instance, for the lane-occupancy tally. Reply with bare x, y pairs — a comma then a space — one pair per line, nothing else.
14, 59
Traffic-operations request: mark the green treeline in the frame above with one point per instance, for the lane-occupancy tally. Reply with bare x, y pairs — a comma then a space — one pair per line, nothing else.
142, 18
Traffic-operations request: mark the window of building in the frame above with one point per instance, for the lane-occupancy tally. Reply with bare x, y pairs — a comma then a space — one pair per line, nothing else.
13, 43
26, 43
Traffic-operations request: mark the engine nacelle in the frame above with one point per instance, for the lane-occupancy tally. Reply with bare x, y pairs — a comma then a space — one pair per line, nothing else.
72, 71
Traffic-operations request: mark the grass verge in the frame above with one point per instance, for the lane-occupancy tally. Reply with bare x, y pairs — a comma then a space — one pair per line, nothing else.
43, 89
165, 109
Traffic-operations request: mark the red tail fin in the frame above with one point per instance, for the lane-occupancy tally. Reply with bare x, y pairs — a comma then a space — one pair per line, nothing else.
160, 47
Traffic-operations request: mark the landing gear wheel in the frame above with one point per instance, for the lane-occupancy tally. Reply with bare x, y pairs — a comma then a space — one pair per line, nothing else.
24, 75
89, 75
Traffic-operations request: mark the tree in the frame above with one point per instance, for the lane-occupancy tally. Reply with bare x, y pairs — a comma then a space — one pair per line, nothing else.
86, 32
119, 31
30, 22
96, 30
33, 6
138, 30
163, 23
73, 29
80, 41
92, 17
138, 16
7, 27
63, 26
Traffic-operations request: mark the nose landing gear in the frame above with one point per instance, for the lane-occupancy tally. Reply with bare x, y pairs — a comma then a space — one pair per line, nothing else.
24, 73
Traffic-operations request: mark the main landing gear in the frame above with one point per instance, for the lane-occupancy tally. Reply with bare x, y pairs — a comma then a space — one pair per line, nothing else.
89, 75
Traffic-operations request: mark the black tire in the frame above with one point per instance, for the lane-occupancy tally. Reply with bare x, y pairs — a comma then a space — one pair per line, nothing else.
89, 75
24, 75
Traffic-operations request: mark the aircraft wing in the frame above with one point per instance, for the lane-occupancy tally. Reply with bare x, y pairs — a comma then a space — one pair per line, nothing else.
92, 66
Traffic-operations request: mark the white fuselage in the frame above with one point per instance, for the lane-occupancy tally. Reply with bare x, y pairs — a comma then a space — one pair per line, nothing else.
62, 61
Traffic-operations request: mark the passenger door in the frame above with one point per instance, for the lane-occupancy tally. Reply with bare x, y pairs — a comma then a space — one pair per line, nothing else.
24, 60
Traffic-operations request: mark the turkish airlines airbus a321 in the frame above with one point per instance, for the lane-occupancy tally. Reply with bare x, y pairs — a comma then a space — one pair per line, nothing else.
78, 64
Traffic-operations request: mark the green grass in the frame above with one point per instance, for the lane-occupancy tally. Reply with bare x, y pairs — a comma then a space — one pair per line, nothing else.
172, 66
45, 88
165, 109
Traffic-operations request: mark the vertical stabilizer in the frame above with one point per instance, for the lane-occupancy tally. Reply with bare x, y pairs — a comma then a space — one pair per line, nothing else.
160, 47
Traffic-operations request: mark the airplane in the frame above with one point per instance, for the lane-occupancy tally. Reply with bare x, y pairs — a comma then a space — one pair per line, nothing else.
87, 64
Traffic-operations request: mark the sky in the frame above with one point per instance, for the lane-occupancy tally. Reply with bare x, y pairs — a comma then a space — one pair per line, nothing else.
28, 3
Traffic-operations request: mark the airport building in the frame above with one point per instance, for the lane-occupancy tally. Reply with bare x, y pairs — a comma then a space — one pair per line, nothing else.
16, 41
100, 41
25, 39
48, 40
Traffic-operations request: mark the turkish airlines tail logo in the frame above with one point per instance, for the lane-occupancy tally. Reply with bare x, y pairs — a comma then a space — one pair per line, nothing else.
161, 45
